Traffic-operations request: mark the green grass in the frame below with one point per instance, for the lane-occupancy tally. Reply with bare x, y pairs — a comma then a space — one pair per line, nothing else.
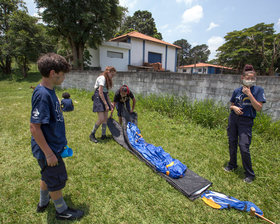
111, 184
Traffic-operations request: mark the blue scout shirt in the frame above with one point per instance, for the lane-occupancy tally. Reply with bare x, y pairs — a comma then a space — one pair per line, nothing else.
47, 112
67, 105
242, 100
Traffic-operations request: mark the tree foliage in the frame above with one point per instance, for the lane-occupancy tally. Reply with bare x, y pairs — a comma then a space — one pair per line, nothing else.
7, 8
82, 21
141, 21
28, 39
257, 45
188, 55
184, 52
199, 53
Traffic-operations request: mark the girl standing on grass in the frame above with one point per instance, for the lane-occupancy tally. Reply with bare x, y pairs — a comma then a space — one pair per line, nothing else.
245, 101
101, 101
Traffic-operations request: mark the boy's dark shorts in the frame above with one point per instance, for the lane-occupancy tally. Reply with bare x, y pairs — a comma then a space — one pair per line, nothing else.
55, 177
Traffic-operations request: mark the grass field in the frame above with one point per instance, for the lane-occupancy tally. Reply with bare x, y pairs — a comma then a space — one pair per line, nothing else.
110, 184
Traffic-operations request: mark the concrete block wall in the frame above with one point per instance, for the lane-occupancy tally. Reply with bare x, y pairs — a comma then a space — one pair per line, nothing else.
194, 86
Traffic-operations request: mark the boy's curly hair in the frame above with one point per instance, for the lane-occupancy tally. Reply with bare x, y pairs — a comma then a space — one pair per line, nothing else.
52, 61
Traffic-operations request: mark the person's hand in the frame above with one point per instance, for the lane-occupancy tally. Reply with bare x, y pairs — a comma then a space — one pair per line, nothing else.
52, 160
106, 107
246, 90
237, 110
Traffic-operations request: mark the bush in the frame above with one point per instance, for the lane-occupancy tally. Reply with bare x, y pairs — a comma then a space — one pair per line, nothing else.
206, 113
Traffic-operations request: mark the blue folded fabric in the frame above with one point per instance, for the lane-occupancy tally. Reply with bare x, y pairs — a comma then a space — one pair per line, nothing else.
163, 162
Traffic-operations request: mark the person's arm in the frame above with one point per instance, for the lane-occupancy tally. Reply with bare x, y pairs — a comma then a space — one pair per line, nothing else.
39, 137
257, 105
113, 107
133, 104
100, 91
237, 110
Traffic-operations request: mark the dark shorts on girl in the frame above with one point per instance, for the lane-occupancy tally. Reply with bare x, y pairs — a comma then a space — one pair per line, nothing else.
54, 176
98, 105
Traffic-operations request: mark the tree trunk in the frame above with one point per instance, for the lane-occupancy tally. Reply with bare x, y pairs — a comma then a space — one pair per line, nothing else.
25, 67
77, 52
8, 66
81, 56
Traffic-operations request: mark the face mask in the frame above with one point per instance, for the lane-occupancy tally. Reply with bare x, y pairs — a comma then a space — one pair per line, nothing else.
248, 83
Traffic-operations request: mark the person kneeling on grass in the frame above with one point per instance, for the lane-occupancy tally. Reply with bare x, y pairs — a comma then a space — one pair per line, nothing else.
66, 102
48, 136
121, 100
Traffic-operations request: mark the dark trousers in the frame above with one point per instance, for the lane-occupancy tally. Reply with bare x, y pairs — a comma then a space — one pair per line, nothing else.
240, 131
120, 106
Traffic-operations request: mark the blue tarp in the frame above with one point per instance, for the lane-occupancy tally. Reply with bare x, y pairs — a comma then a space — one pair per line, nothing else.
163, 162
221, 201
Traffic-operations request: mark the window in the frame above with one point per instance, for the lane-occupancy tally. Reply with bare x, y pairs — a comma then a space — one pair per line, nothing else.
113, 54
199, 70
184, 70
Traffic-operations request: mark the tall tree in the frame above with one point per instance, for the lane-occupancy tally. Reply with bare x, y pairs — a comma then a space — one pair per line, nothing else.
7, 8
141, 21
265, 43
184, 52
28, 39
82, 21
257, 45
199, 53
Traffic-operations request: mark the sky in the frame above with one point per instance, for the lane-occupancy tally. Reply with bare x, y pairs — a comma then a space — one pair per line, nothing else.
201, 21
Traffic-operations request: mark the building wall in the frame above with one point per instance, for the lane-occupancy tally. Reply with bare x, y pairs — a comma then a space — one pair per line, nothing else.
94, 61
136, 52
171, 59
119, 63
196, 87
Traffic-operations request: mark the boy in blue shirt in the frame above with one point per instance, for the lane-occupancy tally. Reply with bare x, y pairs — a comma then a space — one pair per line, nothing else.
245, 101
66, 102
48, 136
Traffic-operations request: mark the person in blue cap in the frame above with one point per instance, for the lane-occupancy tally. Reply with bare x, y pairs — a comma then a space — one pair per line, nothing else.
245, 101
48, 136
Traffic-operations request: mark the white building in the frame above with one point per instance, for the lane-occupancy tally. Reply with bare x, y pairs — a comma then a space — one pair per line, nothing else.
134, 49
204, 68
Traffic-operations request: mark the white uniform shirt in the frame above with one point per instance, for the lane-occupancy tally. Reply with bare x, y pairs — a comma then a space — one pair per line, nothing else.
101, 81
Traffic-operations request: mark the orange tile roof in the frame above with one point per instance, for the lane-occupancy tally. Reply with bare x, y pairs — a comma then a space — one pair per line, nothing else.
142, 36
204, 65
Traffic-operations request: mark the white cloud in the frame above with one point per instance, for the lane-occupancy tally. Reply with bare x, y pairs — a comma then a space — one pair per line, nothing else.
212, 26
184, 29
187, 2
193, 15
214, 43
278, 23
164, 27
130, 4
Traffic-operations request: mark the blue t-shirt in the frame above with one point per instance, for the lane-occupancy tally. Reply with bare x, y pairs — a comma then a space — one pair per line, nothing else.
47, 112
242, 100
67, 105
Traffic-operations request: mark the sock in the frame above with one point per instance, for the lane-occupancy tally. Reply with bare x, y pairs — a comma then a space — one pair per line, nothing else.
44, 197
95, 128
60, 205
104, 129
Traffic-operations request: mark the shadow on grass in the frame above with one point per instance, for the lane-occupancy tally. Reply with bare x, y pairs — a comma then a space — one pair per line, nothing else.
239, 171
18, 77
51, 210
